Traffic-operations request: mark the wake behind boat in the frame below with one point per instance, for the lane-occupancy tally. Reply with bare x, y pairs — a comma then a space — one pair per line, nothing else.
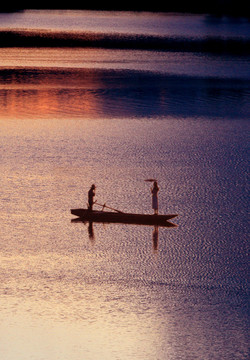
121, 217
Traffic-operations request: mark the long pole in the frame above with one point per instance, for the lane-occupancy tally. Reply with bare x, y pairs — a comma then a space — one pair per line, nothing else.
108, 207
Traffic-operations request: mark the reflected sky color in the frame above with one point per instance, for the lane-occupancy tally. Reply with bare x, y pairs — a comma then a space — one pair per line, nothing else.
117, 293
45, 93
138, 23
94, 82
73, 117
172, 63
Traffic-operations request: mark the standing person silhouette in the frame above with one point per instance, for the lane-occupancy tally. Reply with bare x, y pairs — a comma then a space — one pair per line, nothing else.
154, 191
91, 194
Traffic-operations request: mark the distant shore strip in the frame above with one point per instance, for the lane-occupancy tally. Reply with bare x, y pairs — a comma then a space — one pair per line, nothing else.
26, 38
239, 8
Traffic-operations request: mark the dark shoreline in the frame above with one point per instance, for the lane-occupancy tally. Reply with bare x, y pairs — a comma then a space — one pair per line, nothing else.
214, 7
19, 38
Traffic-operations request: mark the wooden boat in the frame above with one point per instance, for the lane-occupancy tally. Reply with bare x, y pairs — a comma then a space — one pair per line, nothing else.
121, 217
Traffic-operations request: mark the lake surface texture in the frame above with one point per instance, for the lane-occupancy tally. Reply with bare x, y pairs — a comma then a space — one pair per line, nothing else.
114, 98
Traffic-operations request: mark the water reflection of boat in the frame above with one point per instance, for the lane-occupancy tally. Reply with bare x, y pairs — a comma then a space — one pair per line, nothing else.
124, 218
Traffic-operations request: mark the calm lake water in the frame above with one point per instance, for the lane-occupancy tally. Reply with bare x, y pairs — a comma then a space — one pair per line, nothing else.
71, 117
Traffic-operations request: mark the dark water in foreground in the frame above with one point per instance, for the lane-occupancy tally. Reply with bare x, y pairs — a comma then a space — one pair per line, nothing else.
73, 117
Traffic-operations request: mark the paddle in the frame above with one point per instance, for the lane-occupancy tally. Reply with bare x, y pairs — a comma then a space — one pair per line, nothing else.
108, 207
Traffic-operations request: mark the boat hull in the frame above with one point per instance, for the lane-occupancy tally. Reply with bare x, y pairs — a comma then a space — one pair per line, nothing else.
125, 218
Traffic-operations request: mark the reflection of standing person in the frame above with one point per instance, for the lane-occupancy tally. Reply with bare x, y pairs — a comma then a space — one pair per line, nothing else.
155, 238
91, 195
154, 191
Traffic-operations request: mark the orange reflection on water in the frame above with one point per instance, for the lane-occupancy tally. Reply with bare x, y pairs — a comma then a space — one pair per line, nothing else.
42, 94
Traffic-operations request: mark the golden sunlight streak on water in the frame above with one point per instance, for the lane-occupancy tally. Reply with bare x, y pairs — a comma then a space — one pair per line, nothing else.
47, 287
65, 340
